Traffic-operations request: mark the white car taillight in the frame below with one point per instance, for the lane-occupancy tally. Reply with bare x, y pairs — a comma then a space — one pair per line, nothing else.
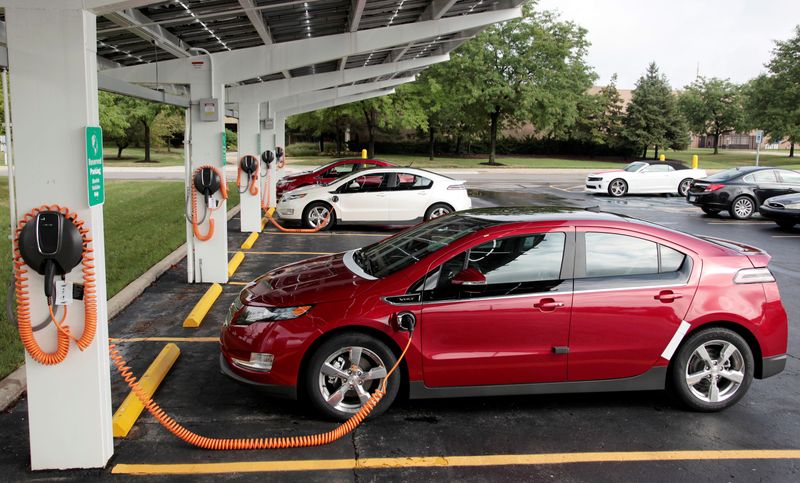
461, 186
753, 275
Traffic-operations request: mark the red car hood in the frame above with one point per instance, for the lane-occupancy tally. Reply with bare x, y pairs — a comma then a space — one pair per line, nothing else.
322, 279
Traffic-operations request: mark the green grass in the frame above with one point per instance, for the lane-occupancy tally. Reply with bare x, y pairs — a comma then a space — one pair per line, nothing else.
143, 223
133, 156
725, 159
733, 158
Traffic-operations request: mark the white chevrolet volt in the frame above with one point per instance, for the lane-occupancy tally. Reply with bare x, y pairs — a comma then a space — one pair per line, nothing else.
382, 196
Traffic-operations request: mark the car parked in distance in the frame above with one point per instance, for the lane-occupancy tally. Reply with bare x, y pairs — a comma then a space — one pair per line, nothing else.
511, 301
642, 177
783, 210
740, 191
326, 174
380, 196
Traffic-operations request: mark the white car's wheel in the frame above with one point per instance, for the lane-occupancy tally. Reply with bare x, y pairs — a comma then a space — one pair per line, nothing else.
437, 210
617, 187
315, 214
683, 187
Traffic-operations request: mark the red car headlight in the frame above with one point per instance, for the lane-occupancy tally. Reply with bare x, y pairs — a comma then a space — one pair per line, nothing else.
250, 315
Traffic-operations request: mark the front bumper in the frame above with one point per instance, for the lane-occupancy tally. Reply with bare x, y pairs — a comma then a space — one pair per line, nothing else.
290, 210
771, 366
596, 186
277, 390
779, 214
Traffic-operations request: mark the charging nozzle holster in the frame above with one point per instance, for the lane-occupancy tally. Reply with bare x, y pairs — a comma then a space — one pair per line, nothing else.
267, 157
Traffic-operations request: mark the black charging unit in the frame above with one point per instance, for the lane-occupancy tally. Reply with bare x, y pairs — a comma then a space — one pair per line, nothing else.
51, 245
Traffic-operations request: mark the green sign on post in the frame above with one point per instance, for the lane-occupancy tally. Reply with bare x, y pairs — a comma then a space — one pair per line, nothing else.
94, 166
224, 148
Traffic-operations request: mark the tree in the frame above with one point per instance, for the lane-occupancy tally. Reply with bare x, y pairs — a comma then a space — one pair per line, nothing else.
388, 112
772, 100
114, 121
653, 118
532, 68
169, 122
600, 117
712, 106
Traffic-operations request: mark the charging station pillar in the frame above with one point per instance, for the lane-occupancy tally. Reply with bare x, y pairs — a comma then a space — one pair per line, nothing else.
53, 67
267, 126
208, 260
250, 215
280, 140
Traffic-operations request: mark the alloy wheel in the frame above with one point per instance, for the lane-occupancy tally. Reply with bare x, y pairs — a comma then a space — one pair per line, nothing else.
439, 211
683, 189
349, 376
743, 208
617, 187
715, 371
317, 215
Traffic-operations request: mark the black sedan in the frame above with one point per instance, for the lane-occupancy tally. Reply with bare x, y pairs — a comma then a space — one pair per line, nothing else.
740, 191
783, 210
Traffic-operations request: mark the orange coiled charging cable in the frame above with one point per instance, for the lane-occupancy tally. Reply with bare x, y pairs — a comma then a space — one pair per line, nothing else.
251, 443
223, 186
252, 180
23, 299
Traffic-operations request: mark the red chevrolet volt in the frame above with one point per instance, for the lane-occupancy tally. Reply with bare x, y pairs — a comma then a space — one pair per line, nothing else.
326, 174
511, 301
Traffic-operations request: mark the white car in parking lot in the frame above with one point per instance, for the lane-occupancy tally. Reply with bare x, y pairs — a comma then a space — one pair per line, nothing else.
386, 196
642, 177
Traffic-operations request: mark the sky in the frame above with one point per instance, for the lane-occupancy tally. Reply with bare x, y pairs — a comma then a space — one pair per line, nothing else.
726, 38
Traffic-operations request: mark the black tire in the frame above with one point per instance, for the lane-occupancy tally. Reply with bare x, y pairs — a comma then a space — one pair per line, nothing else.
786, 225
683, 186
618, 187
742, 207
698, 397
309, 219
339, 344
710, 211
437, 210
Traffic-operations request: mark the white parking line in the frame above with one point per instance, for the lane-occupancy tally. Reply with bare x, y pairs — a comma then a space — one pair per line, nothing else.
785, 236
740, 222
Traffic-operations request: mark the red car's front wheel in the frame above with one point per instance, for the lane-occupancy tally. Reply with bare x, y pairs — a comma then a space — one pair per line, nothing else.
344, 372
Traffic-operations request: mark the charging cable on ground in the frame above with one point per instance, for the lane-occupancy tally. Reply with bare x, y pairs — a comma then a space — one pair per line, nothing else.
256, 443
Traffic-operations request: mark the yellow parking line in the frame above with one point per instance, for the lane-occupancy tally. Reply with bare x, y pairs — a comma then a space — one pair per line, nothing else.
164, 339
200, 310
248, 244
131, 408
237, 283
449, 461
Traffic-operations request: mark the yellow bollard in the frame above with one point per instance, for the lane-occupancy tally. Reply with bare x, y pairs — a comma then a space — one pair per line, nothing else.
662, 157
363, 154
695, 161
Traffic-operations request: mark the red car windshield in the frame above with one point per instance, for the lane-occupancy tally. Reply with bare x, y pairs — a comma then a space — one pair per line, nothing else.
393, 254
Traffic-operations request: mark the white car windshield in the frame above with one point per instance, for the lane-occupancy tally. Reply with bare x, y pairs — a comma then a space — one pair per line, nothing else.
388, 256
636, 166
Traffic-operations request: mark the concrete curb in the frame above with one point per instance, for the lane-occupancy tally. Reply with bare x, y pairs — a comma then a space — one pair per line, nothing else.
12, 387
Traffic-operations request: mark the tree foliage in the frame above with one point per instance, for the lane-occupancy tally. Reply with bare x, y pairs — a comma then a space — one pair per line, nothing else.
773, 100
653, 118
712, 106
600, 117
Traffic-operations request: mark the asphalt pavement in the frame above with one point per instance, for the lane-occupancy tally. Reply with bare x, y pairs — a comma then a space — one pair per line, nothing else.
645, 424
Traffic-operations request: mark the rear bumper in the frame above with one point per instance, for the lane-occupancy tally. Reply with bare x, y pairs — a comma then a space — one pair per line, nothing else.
709, 200
771, 366
288, 392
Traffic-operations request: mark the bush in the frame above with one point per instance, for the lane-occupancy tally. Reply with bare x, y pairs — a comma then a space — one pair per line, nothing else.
302, 149
230, 140
511, 146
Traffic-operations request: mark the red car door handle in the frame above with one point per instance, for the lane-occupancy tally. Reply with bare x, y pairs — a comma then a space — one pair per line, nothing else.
547, 305
667, 296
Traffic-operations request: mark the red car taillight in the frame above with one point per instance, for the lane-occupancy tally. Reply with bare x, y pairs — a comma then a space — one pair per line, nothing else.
714, 187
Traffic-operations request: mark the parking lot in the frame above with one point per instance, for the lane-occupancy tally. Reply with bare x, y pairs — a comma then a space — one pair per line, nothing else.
598, 437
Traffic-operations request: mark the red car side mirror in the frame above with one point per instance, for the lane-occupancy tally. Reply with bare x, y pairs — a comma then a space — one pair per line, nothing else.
470, 277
